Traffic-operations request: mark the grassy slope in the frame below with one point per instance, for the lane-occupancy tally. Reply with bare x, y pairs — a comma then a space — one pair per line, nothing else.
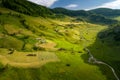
26, 7
72, 40
108, 47
117, 18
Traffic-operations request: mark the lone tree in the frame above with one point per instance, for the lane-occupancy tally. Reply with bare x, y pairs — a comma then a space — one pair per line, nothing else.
11, 51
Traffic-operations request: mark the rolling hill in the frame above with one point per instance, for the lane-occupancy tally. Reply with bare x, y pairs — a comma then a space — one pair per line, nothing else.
106, 12
26, 7
38, 43
44, 38
30, 8
89, 16
107, 45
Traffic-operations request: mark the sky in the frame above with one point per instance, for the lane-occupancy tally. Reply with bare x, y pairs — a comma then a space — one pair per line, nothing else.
79, 4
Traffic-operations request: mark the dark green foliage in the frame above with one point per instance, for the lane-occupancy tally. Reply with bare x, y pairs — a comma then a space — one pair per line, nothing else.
11, 51
85, 16
70, 12
106, 48
106, 12
67, 65
79, 19
29, 8
113, 33
58, 16
0, 13
1, 67
15, 15
38, 48
95, 18
23, 22
42, 27
26, 7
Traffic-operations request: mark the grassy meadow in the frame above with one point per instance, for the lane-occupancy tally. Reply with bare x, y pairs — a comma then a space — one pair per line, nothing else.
58, 45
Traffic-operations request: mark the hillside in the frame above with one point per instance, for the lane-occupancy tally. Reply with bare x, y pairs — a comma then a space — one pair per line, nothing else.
89, 16
26, 7
59, 43
38, 43
107, 47
72, 13
106, 12
30, 8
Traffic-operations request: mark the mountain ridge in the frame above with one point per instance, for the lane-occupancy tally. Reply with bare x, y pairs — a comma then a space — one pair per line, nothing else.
106, 12
28, 35
26, 7
33, 9
88, 16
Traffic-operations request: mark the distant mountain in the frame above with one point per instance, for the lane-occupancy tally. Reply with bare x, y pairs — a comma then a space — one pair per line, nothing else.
26, 7
89, 16
72, 13
29, 8
106, 12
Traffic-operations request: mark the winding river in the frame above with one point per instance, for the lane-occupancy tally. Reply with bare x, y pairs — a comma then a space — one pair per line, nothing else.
95, 61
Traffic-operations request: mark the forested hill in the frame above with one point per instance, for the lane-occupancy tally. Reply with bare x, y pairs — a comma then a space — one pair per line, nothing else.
106, 12
88, 16
26, 7
29, 8
72, 13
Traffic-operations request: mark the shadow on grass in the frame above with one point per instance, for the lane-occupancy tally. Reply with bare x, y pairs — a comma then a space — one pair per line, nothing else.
103, 68
105, 51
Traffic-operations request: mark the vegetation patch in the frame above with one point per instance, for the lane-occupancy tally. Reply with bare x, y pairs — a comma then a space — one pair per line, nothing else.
28, 59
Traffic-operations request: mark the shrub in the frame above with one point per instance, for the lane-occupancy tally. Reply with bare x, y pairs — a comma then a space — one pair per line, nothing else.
1, 67
0, 13
68, 65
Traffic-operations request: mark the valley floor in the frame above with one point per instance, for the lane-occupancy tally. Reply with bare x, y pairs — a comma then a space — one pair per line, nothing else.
57, 54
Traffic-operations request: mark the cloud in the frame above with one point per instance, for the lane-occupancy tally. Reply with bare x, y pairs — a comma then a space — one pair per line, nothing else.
71, 6
46, 3
114, 5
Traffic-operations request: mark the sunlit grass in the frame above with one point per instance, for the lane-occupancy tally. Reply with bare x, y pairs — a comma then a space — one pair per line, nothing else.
68, 41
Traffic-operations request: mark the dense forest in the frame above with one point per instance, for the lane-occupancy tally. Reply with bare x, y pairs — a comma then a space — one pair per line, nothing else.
106, 12
32, 9
26, 7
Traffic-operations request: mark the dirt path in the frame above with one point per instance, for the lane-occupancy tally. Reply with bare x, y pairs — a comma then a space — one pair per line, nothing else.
94, 61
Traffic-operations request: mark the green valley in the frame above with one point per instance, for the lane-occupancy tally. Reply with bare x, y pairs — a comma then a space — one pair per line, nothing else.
38, 43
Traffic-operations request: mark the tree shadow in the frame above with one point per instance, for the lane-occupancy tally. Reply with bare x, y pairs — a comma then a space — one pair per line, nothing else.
104, 69
103, 50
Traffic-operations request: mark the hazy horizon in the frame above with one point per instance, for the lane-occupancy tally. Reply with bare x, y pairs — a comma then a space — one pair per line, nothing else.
79, 4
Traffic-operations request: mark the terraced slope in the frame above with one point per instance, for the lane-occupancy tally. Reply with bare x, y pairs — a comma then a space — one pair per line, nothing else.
37, 43
19, 35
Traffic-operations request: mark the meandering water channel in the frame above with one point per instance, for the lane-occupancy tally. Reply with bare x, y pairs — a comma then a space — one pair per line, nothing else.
95, 61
